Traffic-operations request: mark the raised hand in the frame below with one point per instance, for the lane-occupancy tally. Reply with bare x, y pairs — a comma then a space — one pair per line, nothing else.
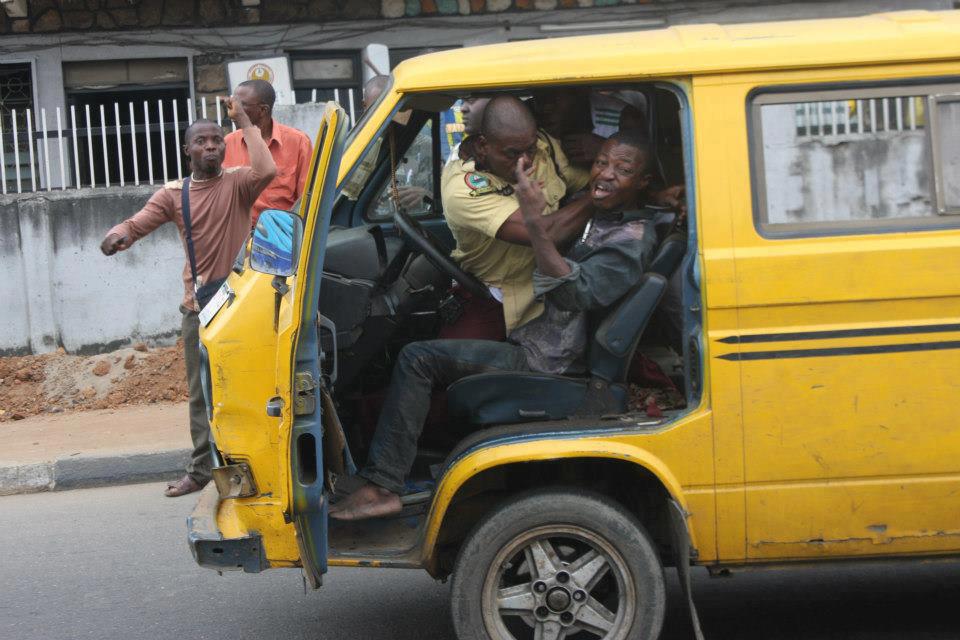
235, 111
529, 192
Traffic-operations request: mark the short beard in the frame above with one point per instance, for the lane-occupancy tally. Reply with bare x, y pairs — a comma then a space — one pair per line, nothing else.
208, 168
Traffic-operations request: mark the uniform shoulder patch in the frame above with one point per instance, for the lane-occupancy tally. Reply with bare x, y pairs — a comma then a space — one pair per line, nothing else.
173, 184
232, 169
476, 181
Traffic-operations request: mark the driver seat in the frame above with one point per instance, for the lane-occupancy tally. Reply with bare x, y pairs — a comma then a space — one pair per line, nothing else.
523, 396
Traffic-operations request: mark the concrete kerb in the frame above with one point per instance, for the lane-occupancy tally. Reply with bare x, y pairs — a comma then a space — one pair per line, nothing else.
89, 471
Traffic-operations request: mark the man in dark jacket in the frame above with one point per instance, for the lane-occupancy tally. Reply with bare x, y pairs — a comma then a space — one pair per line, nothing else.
604, 264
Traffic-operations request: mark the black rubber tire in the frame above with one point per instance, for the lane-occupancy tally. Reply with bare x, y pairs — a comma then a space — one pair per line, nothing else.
562, 506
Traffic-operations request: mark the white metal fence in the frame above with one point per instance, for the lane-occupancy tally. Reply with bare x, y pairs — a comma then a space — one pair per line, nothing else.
107, 145
859, 117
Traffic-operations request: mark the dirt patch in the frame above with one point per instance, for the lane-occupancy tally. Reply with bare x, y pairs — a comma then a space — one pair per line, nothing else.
56, 382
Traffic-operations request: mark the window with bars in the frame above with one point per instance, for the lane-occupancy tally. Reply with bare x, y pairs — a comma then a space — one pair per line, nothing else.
860, 117
16, 106
321, 76
115, 101
856, 159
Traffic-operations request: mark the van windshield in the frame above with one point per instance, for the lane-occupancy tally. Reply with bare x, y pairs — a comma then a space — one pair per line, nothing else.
366, 113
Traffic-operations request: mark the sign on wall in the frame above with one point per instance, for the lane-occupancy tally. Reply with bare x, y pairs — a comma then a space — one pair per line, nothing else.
276, 71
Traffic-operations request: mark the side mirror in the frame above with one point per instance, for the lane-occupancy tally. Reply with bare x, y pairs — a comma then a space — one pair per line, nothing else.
276, 243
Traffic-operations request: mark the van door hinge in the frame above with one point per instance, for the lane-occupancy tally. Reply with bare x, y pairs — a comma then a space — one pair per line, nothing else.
234, 481
305, 399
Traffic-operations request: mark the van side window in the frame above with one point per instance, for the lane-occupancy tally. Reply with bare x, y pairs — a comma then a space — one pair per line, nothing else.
855, 160
945, 132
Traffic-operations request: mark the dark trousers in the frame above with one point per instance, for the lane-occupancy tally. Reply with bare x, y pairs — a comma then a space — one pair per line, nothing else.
199, 466
421, 367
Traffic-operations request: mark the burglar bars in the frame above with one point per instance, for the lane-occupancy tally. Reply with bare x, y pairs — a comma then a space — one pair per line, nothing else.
859, 117
94, 146
351, 104
103, 145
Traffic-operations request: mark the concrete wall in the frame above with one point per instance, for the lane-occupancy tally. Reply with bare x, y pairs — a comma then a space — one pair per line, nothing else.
838, 178
306, 117
59, 290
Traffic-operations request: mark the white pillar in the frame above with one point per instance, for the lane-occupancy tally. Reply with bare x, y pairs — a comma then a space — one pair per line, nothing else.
376, 60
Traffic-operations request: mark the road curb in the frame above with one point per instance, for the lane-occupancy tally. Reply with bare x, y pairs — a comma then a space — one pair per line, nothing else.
90, 471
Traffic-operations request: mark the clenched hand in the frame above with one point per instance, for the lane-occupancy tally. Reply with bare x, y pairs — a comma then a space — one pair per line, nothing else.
529, 193
113, 243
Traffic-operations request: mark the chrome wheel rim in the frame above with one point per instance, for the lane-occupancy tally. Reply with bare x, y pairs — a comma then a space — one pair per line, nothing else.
558, 582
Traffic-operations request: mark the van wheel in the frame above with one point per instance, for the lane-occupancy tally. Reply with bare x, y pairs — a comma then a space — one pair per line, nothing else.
557, 563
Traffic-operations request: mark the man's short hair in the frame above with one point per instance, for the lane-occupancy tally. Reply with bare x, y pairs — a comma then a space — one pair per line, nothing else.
506, 113
377, 83
636, 139
189, 132
374, 88
263, 90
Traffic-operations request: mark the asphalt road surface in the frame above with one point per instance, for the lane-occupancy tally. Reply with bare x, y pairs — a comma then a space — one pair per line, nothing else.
114, 563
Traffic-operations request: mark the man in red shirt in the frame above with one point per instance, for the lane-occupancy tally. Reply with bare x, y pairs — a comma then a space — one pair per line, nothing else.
220, 201
290, 148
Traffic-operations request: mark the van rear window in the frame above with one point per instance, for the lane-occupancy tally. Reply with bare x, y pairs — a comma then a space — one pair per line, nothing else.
856, 160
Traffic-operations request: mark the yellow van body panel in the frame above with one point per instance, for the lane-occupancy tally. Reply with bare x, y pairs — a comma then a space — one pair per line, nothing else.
842, 456
691, 50
250, 354
665, 453
781, 461
242, 348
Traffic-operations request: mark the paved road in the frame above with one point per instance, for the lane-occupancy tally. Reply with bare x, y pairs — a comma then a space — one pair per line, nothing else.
113, 563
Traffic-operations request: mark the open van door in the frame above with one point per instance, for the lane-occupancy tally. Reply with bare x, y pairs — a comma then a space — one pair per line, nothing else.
298, 365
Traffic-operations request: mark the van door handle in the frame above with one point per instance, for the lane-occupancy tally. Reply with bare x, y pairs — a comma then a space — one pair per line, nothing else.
528, 413
274, 406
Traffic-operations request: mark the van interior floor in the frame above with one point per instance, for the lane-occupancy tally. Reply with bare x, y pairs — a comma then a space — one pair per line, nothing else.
386, 542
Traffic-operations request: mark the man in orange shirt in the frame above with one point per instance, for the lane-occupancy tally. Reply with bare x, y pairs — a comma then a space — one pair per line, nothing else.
290, 148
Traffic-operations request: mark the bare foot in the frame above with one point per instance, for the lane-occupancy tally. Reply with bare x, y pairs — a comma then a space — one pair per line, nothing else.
369, 501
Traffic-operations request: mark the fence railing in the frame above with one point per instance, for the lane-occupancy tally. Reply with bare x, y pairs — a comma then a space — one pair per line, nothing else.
859, 117
106, 145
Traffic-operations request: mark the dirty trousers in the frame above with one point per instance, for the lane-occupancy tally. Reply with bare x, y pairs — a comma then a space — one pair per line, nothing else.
199, 466
421, 367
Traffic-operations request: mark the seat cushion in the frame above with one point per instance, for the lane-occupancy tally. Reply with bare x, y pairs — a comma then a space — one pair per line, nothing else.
522, 396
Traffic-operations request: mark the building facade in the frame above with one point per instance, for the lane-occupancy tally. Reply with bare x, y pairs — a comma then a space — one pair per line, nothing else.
97, 93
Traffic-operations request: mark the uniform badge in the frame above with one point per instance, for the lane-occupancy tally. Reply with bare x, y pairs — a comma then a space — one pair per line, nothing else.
476, 181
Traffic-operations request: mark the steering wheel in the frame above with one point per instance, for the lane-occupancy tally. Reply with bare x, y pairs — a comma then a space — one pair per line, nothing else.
427, 244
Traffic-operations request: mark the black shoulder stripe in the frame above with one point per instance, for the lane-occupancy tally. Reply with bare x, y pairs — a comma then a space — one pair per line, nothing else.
840, 333
841, 351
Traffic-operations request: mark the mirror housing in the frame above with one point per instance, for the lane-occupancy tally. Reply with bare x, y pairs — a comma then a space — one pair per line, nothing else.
276, 243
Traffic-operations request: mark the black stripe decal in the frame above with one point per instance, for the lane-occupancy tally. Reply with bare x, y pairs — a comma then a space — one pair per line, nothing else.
842, 351
840, 333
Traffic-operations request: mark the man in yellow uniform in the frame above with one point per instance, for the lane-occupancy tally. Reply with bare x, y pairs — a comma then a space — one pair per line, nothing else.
482, 210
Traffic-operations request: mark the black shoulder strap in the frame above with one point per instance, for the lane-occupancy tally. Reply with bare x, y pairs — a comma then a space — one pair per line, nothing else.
188, 235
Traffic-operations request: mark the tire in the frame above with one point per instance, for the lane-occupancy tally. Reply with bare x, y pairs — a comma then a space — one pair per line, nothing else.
595, 572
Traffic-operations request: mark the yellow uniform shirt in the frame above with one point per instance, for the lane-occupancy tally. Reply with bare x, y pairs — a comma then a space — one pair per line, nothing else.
476, 204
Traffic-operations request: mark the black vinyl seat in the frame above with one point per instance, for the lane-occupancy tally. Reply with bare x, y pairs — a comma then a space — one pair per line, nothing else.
669, 254
523, 396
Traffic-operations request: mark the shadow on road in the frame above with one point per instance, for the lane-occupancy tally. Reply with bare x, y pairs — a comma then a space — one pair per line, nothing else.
902, 601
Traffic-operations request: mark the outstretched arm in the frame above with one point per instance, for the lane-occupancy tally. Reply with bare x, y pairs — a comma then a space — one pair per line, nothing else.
159, 209
560, 226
